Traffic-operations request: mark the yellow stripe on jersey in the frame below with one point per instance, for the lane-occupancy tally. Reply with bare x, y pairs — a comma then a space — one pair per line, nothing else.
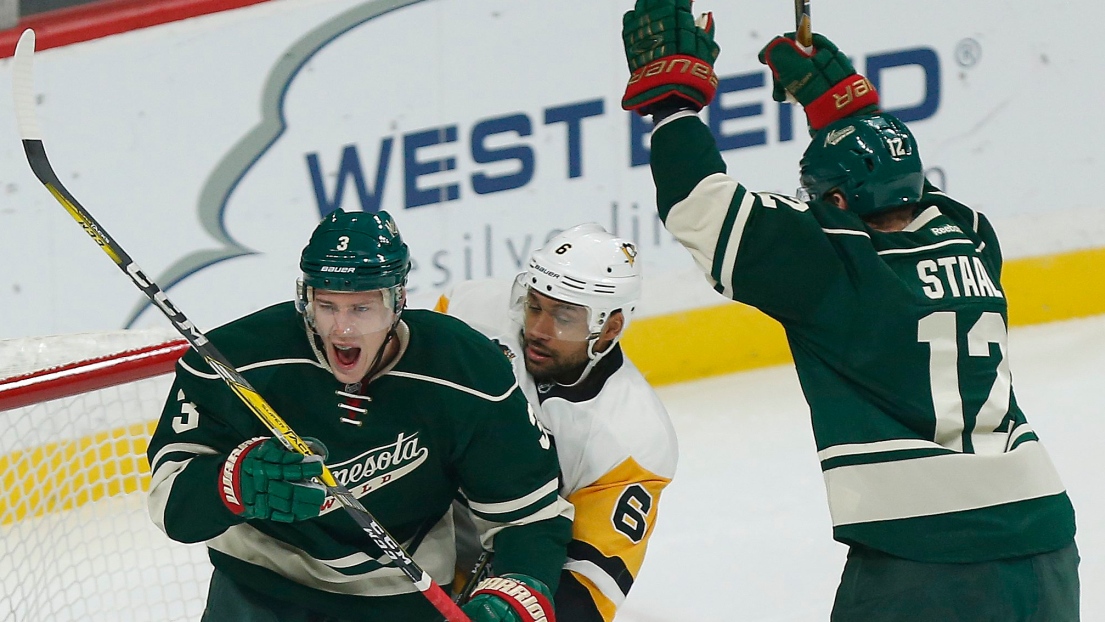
613, 521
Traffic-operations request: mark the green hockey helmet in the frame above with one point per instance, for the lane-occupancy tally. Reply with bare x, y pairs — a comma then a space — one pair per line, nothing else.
354, 252
872, 160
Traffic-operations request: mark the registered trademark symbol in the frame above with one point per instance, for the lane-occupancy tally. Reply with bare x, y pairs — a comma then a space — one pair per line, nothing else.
968, 52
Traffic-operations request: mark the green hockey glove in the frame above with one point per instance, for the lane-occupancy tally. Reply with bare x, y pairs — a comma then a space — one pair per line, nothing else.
825, 83
261, 479
510, 598
671, 56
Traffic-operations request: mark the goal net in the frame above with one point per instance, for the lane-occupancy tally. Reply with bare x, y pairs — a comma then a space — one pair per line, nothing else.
76, 541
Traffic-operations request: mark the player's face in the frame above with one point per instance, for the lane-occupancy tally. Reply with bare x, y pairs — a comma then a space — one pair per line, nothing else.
554, 338
353, 326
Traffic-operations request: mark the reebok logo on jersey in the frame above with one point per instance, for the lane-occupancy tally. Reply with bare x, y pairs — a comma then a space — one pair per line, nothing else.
946, 229
836, 136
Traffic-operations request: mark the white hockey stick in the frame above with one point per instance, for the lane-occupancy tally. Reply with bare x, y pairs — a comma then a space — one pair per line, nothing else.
23, 89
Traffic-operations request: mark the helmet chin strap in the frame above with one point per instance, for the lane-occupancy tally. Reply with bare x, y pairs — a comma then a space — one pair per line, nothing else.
377, 360
593, 358
398, 304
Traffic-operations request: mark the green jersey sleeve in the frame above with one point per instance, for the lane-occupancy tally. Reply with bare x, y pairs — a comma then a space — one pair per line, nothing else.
203, 421
188, 448
505, 460
737, 236
510, 475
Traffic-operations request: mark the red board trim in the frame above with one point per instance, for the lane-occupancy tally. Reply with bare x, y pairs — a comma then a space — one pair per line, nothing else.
109, 17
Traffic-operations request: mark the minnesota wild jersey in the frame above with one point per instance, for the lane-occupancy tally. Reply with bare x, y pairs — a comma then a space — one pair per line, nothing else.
900, 344
617, 450
446, 416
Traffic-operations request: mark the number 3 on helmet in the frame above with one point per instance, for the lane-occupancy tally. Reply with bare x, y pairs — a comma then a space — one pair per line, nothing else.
354, 252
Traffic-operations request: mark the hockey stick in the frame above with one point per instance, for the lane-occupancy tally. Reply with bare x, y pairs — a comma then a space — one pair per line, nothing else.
22, 77
480, 571
803, 30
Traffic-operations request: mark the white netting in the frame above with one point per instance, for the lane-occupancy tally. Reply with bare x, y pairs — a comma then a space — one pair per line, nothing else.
76, 541
27, 354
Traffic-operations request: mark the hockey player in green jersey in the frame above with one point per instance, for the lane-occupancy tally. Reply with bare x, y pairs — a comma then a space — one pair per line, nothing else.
406, 407
890, 295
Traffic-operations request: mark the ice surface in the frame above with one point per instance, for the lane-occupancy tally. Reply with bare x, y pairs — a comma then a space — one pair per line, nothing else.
744, 530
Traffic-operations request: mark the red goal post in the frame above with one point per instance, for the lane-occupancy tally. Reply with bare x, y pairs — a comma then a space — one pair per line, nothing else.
91, 374
76, 541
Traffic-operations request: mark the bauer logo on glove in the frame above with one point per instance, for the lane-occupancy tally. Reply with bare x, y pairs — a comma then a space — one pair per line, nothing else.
687, 71
670, 54
824, 81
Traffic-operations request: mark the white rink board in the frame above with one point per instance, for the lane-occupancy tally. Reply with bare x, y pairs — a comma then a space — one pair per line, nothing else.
228, 133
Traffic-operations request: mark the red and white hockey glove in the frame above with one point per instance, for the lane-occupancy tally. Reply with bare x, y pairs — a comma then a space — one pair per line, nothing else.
825, 83
511, 598
262, 479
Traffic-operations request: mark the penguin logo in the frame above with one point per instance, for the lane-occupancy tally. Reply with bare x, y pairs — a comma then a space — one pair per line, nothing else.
630, 252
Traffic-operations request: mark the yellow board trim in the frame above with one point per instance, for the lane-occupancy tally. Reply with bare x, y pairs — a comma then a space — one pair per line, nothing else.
1053, 288
704, 342
733, 337
668, 349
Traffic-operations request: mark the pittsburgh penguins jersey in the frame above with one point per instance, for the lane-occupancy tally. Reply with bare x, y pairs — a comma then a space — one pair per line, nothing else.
899, 341
617, 451
446, 416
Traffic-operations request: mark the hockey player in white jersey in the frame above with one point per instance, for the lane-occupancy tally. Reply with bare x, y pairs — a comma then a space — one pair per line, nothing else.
560, 324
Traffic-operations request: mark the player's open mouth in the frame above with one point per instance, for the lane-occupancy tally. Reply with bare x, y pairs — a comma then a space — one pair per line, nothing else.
537, 356
346, 356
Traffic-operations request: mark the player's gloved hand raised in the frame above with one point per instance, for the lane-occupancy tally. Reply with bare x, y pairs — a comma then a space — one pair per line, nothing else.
671, 56
825, 83
262, 479
510, 598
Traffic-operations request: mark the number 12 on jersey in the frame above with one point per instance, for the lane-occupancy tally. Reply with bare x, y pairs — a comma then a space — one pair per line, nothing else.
940, 331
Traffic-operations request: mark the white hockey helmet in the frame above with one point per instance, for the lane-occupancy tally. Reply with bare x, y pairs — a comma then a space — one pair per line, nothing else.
585, 266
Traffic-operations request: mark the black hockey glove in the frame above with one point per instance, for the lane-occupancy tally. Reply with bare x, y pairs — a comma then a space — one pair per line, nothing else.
671, 56
825, 83
261, 479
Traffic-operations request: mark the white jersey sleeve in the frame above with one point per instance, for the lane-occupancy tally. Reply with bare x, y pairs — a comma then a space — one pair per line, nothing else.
617, 450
